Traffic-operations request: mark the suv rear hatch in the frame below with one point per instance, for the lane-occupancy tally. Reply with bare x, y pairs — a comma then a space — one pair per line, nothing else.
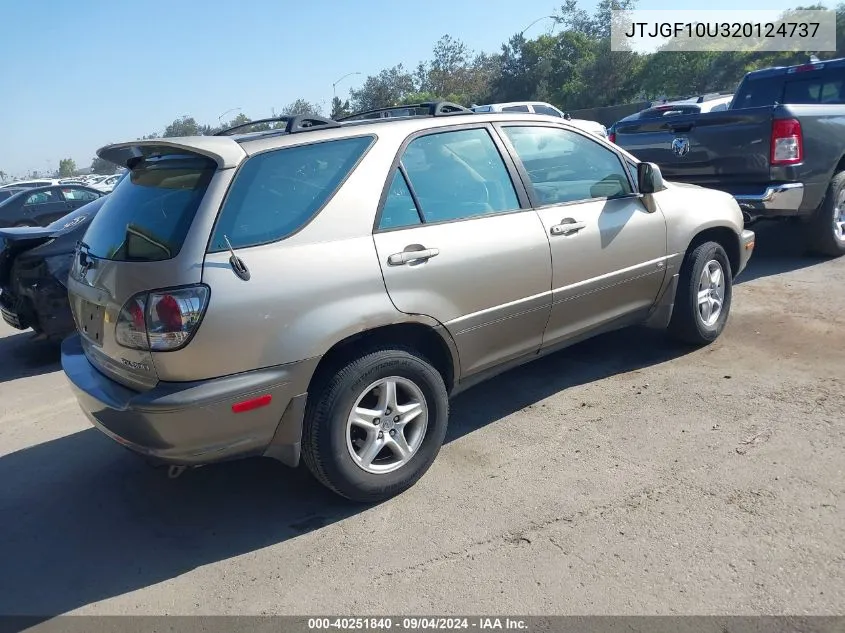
134, 285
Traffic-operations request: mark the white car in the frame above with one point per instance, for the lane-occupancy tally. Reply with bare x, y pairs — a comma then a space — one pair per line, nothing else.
29, 184
107, 184
540, 107
695, 105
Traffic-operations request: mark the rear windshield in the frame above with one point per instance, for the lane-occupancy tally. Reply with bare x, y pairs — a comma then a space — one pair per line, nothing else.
821, 88
147, 216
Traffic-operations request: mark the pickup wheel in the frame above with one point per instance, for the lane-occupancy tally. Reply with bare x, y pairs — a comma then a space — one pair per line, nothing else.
703, 302
825, 232
375, 426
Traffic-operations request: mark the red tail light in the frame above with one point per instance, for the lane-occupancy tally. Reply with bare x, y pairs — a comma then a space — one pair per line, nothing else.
161, 321
787, 142
136, 311
169, 313
611, 137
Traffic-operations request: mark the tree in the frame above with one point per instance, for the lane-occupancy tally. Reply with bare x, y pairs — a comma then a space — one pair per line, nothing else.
388, 88
3, 176
184, 126
102, 167
340, 108
67, 168
301, 106
454, 73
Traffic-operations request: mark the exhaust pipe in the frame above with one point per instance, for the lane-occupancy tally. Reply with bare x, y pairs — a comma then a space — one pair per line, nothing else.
748, 218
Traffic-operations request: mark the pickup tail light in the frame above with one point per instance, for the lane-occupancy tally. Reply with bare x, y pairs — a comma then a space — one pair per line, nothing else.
611, 136
787, 142
163, 320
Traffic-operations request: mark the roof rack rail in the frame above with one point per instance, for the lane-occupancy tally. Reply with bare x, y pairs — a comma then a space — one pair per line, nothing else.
293, 124
429, 108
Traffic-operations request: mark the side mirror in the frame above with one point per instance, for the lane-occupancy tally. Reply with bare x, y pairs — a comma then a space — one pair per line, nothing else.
649, 178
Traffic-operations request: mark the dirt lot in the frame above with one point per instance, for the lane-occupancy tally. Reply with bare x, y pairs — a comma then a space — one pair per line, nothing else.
623, 476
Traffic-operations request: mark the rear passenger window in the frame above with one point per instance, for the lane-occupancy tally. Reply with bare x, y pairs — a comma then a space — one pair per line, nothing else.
564, 166
42, 197
544, 109
276, 193
399, 206
518, 108
753, 93
458, 175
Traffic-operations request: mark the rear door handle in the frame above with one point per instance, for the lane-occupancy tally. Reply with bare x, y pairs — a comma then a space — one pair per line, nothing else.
400, 259
567, 226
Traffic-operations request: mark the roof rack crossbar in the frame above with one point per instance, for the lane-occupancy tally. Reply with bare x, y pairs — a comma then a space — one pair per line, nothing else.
430, 108
293, 124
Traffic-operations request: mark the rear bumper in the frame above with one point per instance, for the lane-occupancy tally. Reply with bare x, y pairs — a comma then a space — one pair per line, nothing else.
43, 306
192, 423
774, 201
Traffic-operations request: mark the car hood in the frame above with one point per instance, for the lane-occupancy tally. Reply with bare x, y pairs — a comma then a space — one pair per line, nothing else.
673, 183
590, 126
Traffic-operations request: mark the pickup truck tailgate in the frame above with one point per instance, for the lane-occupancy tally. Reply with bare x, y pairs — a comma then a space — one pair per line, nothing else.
726, 150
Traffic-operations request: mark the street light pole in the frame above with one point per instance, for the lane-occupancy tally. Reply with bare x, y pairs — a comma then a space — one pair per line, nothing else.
334, 85
545, 17
220, 118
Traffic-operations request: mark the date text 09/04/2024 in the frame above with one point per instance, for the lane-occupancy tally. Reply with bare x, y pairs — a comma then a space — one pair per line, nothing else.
722, 29
417, 624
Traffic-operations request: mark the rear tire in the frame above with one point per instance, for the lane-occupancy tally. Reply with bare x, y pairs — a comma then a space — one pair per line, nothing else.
825, 231
367, 440
703, 302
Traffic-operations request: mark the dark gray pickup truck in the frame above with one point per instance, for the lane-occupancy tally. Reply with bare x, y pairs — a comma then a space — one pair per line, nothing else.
779, 148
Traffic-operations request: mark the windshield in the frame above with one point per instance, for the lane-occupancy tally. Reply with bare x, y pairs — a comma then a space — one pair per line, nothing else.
147, 216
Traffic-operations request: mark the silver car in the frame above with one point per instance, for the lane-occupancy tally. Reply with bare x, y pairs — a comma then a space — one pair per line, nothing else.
320, 291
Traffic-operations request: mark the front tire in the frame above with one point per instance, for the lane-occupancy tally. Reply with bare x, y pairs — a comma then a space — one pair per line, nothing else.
375, 426
825, 231
705, 290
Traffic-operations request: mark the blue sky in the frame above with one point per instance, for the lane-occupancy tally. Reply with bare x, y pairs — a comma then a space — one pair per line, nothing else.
78, 75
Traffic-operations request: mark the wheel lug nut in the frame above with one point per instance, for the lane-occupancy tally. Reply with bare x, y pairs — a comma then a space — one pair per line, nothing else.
396, 419
380, 435
376, 421
392, 432
387, 412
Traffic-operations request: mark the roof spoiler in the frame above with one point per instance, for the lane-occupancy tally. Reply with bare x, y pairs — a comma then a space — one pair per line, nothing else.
224, 151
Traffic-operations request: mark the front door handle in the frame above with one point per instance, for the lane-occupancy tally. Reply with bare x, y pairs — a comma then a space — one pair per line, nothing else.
405, 257
567, 226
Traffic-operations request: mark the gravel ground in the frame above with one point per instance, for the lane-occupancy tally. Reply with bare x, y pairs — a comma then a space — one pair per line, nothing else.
625, 475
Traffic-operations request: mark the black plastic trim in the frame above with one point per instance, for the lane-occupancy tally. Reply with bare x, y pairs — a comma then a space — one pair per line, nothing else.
293, 124
434, 108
